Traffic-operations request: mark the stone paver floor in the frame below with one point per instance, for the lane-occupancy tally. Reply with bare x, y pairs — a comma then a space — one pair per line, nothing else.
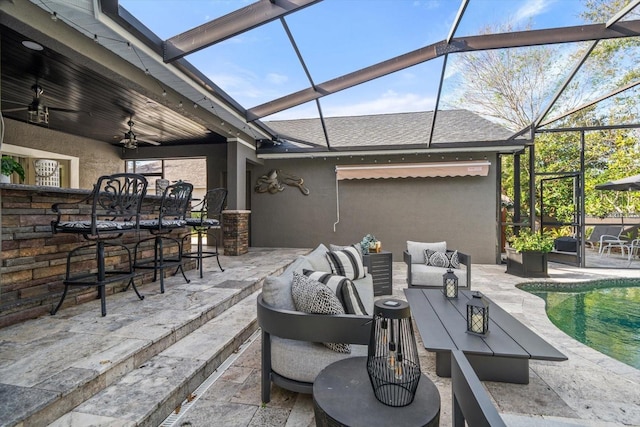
590, 389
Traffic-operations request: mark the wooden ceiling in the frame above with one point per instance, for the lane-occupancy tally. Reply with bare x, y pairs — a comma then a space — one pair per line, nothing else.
90, 104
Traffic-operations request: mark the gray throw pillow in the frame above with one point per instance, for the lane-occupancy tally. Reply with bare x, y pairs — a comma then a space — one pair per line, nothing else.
311, 296
343, 288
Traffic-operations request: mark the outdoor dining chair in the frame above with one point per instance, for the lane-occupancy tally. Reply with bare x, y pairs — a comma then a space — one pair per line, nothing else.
111, 210
170, 216
205, 216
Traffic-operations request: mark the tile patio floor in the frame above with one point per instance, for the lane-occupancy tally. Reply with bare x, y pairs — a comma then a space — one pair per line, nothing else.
589, 389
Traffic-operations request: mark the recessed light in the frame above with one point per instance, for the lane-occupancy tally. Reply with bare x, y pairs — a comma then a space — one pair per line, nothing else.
32, 45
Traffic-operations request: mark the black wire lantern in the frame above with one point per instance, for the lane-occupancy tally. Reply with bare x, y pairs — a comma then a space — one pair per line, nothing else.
477, 314
450, 284
392, 364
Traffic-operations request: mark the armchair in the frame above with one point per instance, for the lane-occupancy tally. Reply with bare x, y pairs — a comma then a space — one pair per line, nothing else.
421, 275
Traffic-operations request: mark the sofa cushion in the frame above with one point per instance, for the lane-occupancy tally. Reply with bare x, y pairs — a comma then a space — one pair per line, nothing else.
365, 290
303, 360
311, 296
343, 288
276, 290
346, 262
318, 259
416, 250
448, 259
427, 275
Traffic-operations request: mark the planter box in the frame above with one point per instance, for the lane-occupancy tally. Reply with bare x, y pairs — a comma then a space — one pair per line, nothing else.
527, 264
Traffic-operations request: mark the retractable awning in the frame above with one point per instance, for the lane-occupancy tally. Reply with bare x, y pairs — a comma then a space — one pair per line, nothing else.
413, 170
408, 170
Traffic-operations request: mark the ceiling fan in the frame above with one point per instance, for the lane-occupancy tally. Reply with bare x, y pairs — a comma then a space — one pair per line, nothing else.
131, 140
38, 113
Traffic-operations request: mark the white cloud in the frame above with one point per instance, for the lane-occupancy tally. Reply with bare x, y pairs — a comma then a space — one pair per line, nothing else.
389, 102
532, 8
276, 79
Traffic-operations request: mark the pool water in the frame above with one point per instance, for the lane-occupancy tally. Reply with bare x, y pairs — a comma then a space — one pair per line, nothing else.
604, 315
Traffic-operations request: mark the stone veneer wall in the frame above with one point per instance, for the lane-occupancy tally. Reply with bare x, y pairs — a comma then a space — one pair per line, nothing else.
34, 260
235, 225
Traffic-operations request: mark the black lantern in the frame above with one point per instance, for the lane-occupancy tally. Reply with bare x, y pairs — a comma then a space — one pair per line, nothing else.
450, 284
477, 314
392, 363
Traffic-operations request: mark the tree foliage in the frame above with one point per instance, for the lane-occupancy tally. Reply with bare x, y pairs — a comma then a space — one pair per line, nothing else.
513, 87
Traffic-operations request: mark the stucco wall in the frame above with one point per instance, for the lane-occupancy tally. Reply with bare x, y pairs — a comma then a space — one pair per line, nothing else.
96, 158
460, 210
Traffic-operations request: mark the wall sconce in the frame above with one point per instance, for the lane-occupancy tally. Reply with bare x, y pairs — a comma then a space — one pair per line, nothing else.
450, 284
477, 314
392, 363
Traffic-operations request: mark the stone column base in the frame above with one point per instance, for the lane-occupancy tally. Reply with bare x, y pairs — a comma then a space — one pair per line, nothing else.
235, 226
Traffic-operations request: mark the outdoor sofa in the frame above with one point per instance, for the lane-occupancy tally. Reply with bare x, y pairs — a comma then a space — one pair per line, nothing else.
292, 350
423, 274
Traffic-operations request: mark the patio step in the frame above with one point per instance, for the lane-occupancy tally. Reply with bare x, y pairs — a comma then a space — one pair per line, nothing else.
138, 363
147, 395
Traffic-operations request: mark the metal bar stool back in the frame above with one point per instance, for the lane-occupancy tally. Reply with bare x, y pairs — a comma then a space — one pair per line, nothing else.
114, 207
204, 216
171, 216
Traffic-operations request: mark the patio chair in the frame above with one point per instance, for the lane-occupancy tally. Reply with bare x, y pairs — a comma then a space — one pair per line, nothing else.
608, 241
206, 215
602, 232
171, 216
633, 249
115, 210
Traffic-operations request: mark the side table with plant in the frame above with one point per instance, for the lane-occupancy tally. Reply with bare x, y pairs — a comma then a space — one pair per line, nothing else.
8, 167
527, 253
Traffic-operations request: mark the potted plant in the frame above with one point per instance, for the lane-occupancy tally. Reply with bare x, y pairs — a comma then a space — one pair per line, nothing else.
9, 166
527, 253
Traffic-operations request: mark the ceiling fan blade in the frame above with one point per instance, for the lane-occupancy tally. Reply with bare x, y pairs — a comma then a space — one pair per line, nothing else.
146, 141
67, 110
12, 102
13, 110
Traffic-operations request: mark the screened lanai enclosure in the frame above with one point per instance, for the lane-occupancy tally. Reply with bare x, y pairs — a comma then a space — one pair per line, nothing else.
547, 88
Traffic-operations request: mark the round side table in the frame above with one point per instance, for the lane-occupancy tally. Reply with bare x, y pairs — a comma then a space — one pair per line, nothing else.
343, 396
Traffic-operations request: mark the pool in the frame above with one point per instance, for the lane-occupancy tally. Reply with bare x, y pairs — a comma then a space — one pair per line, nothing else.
605, 315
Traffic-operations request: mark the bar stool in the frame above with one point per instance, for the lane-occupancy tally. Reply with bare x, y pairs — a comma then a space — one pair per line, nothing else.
115, 210
171, 216
204, 216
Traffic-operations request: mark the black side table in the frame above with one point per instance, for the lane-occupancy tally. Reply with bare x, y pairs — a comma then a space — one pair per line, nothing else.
380, 266
343, 396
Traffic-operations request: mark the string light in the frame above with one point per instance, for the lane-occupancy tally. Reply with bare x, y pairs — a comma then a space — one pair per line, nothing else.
54, 16
95, 38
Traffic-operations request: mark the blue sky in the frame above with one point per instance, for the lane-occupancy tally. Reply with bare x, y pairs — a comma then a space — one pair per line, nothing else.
336, 37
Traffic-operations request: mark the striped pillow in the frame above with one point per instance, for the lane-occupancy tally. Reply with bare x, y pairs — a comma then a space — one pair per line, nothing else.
344, 289
346, 262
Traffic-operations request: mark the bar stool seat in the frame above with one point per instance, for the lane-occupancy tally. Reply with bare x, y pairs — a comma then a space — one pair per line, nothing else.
206, 215
171, 216
115, 210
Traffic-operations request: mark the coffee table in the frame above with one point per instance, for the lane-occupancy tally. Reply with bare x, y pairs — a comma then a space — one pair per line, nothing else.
502, 355
343, 396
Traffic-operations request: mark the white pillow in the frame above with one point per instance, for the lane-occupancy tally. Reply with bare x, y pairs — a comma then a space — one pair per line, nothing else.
347, 262
416, 250
343, 288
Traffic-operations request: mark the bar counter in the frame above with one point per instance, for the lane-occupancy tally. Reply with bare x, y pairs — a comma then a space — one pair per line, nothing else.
33, 259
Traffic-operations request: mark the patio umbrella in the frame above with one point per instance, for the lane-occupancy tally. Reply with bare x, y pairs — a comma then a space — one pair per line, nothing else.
630, 183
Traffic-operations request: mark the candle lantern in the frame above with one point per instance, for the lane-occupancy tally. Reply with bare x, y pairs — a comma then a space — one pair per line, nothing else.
392, 363
450, 284
477, 314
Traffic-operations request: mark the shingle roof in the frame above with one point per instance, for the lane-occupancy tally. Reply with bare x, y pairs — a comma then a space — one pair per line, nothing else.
452, 126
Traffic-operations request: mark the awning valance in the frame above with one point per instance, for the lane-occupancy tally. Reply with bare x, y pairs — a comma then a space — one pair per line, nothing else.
414, 170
